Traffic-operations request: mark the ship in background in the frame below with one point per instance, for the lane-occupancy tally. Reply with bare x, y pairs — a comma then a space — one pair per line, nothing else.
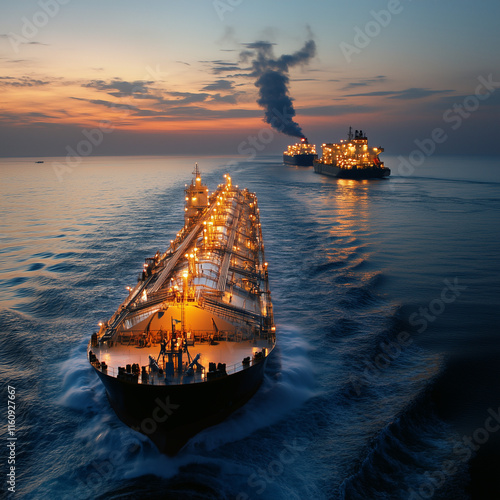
301, 154
351, 159
190, 343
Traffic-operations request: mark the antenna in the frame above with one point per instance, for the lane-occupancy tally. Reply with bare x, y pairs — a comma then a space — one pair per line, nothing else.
196, 170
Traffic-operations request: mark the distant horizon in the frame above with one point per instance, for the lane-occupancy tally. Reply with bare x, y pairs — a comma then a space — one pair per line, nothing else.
241, 75
236, 157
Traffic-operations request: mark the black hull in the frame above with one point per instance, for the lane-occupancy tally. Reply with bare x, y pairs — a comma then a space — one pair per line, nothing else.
306, 160
171, 414
352, 173
365, 173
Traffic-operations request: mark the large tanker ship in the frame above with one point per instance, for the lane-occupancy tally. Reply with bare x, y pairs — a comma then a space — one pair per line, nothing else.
351, 159
301, 154
190, 343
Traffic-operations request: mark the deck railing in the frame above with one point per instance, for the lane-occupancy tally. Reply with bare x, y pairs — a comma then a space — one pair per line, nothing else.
156, 378
140, 338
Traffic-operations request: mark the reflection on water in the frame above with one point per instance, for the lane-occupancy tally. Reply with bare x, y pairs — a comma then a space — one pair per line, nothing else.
342, 209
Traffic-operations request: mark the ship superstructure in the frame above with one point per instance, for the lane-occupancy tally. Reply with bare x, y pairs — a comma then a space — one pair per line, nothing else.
195, 332
351, 158
301, 153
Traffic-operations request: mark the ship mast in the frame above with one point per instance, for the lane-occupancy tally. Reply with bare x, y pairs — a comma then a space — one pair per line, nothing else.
196, 198
196, 171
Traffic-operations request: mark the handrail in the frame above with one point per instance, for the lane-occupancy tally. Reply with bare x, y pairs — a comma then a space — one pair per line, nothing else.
180, 251
178, 379
202, 335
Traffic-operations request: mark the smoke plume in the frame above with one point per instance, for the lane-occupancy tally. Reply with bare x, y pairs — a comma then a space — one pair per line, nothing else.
272, 81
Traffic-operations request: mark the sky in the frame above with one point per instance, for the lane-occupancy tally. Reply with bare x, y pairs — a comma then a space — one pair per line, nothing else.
178, 76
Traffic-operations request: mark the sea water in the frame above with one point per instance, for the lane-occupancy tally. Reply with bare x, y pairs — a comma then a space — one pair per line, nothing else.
385, 383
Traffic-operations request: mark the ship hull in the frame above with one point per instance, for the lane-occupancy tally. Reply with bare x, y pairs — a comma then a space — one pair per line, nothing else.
305, 160
352, 173
172, 414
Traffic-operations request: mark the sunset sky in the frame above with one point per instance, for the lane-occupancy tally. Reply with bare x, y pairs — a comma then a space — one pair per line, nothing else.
168, 76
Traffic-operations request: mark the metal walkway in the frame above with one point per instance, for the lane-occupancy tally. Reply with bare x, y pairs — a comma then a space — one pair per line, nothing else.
180, 251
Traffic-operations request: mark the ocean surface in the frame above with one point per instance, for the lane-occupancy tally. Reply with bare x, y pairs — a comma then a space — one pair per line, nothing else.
386, 382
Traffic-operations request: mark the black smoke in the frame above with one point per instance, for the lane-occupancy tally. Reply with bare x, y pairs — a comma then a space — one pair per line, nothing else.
272, 81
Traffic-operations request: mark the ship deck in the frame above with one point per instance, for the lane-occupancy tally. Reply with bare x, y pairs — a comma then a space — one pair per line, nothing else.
210, 289
231, 353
